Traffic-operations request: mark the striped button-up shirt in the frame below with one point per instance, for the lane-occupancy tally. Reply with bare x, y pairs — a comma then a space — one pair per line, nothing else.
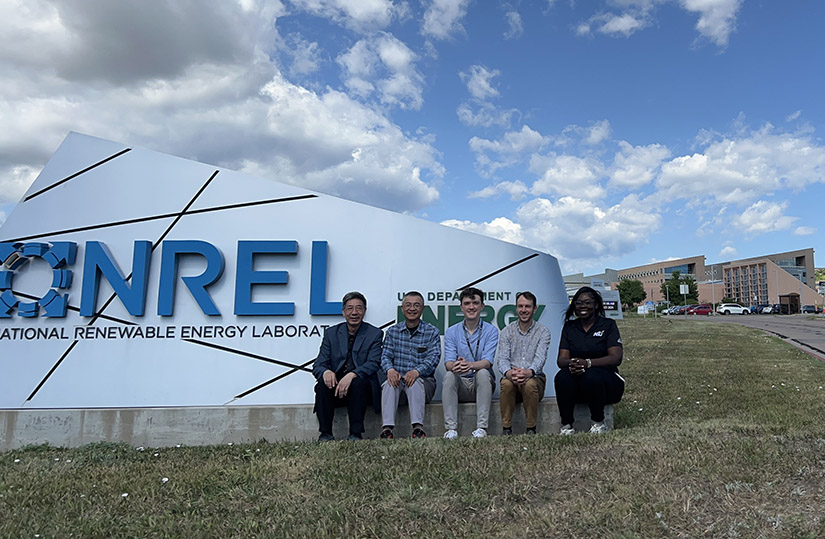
523, 350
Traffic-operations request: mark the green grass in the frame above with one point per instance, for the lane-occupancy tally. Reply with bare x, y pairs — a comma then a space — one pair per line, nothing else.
720, 434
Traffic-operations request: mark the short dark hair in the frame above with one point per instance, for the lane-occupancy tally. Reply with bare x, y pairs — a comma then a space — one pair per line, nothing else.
354, 295
529, 295
469, 292
413, 293
599, 307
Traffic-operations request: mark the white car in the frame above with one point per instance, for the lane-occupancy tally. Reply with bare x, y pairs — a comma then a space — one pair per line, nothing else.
732, 308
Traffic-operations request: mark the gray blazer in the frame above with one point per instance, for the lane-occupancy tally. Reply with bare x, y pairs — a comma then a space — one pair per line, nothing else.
366, 354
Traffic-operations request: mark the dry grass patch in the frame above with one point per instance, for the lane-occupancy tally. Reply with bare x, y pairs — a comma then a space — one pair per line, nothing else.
720, 434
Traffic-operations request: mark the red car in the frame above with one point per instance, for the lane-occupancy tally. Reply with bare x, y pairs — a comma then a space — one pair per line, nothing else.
701, 309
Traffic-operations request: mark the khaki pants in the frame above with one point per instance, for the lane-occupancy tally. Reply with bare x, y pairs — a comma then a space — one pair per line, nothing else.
478, 389
531, 392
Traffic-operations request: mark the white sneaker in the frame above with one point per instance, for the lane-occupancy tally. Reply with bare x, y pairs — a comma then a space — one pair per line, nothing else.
451, 434
567, 430
479, 433
598, 428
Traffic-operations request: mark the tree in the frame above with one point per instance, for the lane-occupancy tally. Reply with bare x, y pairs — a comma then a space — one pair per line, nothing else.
631, 291
670, 288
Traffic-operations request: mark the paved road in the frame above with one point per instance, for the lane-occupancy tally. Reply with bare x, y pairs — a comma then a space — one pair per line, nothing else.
802, 330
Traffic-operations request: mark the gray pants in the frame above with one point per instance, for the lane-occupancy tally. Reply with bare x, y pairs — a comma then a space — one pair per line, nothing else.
417, 395
478, 389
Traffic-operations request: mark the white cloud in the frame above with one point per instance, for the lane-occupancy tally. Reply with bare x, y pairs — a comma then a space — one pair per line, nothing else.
483, 114
384, 65
567, 175
793, 116
500, 227
728, 252
763, 217
516, 190
624, 24
230, 106
443, 18
515, 28
477, 79
740, 168
479, 110
598, 132
804, 230
360, 15
717, 18
574, 229
636, 166
305, 55
508, 150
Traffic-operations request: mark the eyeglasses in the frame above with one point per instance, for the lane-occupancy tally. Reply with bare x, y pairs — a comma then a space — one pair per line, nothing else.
412, 305
584, 303
354, 308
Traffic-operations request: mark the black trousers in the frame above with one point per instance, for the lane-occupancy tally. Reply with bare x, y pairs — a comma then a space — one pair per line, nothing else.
358, 397
594, 387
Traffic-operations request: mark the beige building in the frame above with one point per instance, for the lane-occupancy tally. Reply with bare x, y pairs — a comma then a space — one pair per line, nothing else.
758, 280
654, 275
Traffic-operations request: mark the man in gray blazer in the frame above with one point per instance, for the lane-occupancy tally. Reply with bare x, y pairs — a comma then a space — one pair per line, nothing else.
346, 368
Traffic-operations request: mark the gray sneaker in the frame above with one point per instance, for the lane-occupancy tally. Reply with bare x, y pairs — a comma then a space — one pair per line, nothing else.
598, 428
479, 433
451, 434
567, 430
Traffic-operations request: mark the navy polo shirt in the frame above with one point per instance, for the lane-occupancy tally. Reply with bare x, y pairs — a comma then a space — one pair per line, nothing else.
592, 343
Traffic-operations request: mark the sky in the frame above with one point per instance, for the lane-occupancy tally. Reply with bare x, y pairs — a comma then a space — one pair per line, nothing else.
607, 133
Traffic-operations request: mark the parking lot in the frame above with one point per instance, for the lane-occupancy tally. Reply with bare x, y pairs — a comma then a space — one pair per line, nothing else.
802, 330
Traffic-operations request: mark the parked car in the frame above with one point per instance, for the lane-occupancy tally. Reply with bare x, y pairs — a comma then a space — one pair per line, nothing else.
767, 309
732, 308
811, 309
704, 309
757, 309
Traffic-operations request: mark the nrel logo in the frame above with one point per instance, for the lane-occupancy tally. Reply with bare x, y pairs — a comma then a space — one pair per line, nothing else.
131, 289
15, 255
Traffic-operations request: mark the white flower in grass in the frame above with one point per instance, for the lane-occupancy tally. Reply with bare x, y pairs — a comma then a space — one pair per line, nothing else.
678, 398
524, 448
57, 460
178, 445
139, 448
157, 454
257, 450
697, 402
164, 480
16, 460
230, 443
124, 495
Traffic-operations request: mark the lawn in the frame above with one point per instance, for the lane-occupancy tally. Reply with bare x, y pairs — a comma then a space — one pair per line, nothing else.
720, 434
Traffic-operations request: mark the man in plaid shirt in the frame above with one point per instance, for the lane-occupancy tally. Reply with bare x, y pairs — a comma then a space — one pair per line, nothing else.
412, 350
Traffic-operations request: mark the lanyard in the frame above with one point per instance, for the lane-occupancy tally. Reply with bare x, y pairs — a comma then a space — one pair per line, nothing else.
478, 340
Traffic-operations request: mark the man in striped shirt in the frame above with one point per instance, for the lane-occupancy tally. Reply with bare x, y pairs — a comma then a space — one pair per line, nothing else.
520, 357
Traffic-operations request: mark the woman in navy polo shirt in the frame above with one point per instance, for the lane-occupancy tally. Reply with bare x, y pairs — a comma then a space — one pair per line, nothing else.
589, 354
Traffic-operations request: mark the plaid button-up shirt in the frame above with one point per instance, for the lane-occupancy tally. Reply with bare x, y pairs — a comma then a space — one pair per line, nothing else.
404, 351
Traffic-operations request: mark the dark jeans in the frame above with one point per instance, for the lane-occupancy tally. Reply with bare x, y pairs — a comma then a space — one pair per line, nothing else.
358, 396
595, 387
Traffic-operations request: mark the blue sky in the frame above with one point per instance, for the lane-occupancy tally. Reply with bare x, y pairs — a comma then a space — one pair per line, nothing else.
607, 133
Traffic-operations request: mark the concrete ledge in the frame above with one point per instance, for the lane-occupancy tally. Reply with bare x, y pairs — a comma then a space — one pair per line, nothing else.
164, 427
